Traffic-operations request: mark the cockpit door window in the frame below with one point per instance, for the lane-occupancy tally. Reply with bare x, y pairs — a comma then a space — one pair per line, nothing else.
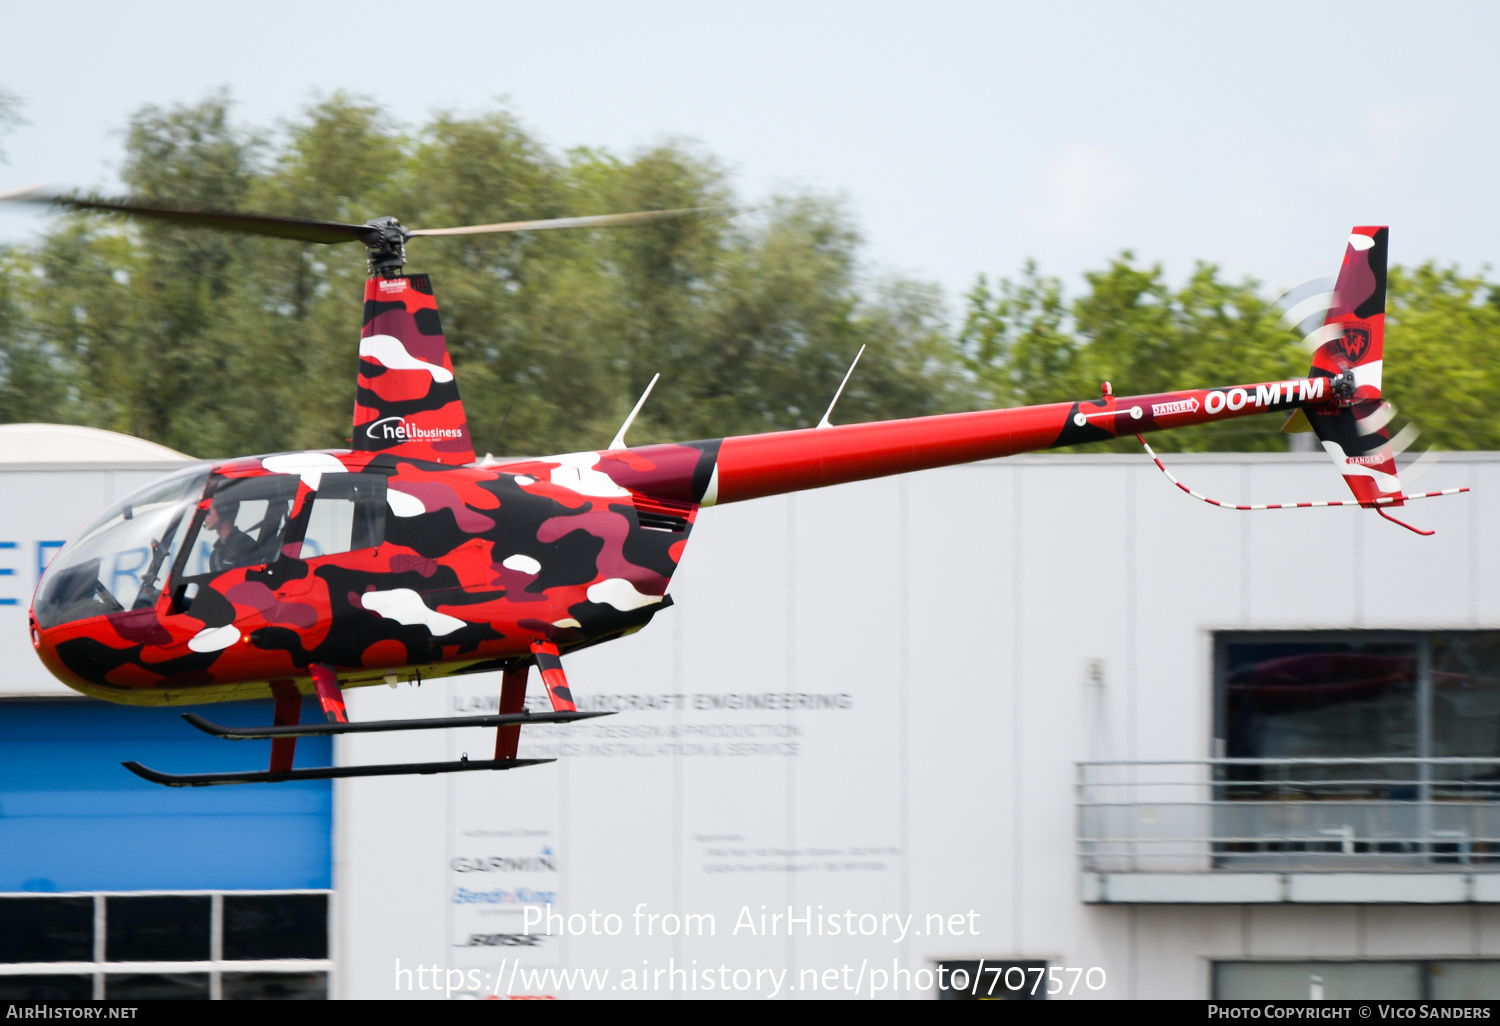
243, 525
348, 513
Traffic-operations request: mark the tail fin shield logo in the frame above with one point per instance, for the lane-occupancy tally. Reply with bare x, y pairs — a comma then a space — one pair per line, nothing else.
1355, 343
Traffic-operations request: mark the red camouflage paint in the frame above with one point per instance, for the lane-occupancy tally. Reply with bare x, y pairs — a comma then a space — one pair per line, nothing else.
466, 566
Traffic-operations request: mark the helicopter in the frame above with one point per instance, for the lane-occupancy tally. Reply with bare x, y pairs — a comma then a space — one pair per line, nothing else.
406, 558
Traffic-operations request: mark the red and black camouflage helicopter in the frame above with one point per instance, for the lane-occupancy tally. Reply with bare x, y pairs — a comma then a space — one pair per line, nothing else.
406, 558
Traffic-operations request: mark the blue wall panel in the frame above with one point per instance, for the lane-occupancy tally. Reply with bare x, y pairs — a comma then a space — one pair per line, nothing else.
73, 819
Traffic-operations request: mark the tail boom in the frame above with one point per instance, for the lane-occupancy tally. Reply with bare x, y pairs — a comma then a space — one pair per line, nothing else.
752, 466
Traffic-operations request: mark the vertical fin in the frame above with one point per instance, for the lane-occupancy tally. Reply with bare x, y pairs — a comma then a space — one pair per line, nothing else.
407, 401
1352, 340
1358, 314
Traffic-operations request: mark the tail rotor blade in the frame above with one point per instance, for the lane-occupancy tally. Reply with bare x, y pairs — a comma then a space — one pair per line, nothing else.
1297, 278
1311, 305
1419, 467
1404, 438
1377, 420
1327, 333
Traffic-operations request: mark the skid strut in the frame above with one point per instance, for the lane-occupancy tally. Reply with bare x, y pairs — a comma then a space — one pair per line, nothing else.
288, 715
326, 683
512, 702
550, 666
288, 728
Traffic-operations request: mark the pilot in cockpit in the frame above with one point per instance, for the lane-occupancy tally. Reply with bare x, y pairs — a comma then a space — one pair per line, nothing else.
234, 547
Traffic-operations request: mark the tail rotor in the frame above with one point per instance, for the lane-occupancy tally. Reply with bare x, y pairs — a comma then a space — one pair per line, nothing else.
1352, 420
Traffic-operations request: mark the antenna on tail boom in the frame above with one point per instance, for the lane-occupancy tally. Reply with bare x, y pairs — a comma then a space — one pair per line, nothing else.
850, 373
619, 439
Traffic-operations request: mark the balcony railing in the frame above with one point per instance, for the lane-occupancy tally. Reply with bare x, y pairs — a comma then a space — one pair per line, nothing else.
1290, 816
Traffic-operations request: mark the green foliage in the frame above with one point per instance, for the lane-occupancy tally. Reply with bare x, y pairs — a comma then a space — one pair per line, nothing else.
10, 114
1026, 344
1443, 355
216, 344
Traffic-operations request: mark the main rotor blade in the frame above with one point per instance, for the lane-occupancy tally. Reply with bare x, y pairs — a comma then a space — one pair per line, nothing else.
563, 222
302, 229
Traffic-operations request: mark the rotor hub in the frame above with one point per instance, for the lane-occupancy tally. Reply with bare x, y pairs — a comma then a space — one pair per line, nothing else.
386, 247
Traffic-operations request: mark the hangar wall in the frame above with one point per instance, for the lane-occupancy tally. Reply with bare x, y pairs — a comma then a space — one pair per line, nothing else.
868, 703
872, 699
110, 886
41, 506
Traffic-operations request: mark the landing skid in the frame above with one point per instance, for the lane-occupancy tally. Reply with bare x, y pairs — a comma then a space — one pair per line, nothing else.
287, 728
324, 772
317, 729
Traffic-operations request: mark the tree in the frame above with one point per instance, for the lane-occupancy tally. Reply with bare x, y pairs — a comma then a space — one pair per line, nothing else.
1443, 354
218, 344
1026, 344
10, 114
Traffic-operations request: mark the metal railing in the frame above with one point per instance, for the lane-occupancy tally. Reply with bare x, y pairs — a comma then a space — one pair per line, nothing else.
1281, 815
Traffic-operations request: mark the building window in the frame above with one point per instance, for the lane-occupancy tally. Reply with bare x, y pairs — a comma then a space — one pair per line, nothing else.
48, 930
1356, 745
1356, 694
260, 926
1356, 981
150, 946
157, 928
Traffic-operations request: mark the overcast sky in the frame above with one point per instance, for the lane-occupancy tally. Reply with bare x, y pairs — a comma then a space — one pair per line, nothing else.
966, 137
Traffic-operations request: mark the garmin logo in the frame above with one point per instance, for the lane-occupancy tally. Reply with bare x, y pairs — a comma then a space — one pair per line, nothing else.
399, 429
545, 863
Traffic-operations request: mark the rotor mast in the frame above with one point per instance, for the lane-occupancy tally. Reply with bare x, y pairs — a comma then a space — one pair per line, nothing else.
385, 246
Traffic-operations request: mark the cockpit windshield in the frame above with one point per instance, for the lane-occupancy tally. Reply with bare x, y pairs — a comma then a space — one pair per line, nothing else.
121, 559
